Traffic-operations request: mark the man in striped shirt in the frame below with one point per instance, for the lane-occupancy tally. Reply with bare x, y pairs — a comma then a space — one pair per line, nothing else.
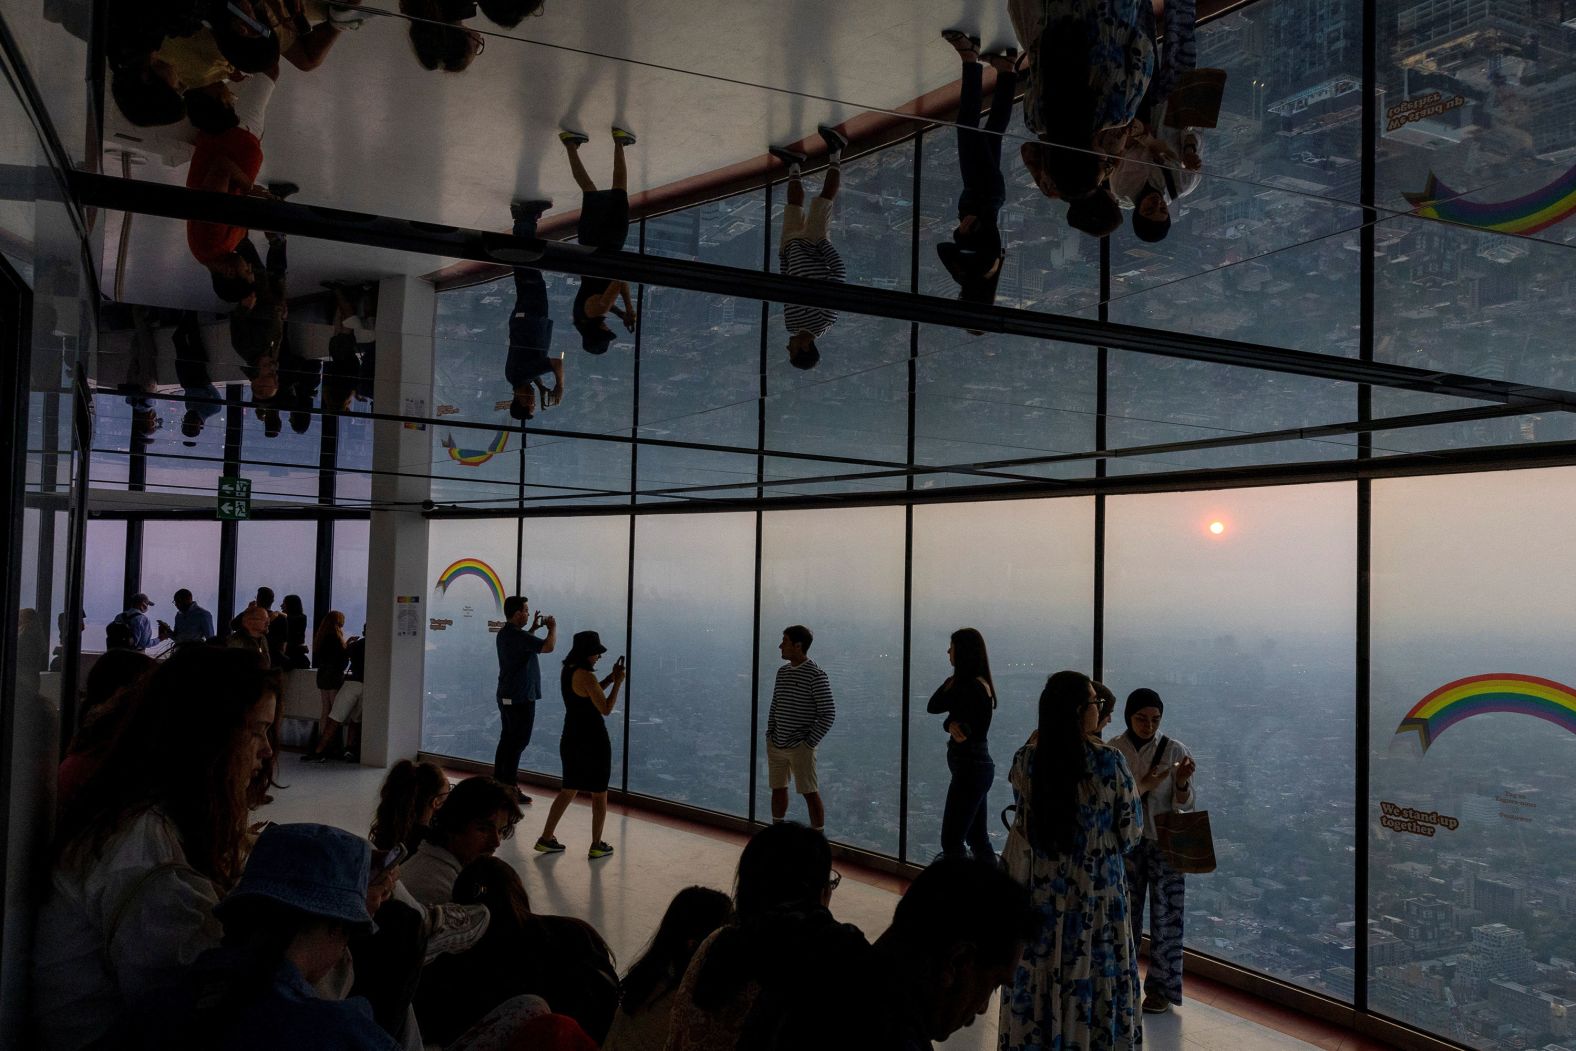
806, 251
801, 714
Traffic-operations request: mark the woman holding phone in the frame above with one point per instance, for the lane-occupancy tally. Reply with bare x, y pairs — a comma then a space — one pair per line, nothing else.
585, 748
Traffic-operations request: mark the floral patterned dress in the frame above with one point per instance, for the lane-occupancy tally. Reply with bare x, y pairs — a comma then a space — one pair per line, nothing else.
1077, 988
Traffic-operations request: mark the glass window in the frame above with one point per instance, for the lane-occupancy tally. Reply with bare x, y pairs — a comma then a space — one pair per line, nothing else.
689, 684
179, 555
1049, 266
577, 570
471, 569
281, 452
1476, 128
1264, 247
700, 371
1022, 573
1247, 634
1472, 813
472, 341
353, 482
840, 573
350, 573
1157, 400
110, 464
103, 579
281, 555
982, 399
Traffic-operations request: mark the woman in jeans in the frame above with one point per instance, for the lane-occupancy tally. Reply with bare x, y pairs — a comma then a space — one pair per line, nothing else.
968, 700
974, 256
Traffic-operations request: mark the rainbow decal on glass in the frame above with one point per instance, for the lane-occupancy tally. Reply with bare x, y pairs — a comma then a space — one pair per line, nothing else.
1529, 214
476, 457
473, 567
1481, 694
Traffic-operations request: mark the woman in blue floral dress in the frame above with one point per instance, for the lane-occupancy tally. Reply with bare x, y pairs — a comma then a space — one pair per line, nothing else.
1077, 988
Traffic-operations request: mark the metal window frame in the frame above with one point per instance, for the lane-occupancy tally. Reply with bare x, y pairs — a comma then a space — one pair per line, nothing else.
1364, 372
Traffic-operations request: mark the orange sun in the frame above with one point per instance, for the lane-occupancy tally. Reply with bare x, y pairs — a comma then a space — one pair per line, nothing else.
1217, 527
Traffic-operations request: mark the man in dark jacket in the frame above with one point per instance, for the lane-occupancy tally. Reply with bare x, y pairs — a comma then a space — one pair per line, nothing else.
519, 683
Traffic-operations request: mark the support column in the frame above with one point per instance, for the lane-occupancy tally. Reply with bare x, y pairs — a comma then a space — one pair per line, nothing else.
391, 713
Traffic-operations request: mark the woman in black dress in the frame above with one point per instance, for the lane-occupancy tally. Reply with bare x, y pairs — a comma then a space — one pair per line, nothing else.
604, 225
968, 700
585, 749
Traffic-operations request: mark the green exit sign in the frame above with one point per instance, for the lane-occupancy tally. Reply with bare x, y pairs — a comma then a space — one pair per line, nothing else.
235, 498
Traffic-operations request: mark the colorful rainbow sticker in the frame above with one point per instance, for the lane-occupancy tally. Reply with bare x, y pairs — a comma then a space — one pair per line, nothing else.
1529, 214
473, 567
1481, 694
476, 457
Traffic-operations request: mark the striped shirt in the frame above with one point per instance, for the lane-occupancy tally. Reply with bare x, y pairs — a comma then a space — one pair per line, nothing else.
812, 259
802, 710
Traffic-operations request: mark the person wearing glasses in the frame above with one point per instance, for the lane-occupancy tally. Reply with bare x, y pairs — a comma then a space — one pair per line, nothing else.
781, 896
473, 822
585, 748
438, 35
1078, 807
968, 701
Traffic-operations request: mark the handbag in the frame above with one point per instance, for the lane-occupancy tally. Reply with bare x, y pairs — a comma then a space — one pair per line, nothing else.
1185, 840
1017, 854
1184, 837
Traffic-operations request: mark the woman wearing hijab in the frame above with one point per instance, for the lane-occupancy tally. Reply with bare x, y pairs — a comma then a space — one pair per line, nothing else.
585, 748
1163, 768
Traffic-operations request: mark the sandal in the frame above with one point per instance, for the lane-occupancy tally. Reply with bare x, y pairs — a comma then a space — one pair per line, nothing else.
1004, 60
958, 39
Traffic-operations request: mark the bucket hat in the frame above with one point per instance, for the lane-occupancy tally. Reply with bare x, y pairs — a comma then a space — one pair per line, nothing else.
316, 869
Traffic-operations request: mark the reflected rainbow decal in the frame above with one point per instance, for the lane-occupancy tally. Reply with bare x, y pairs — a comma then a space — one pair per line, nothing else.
473, 567
1528, 214
1481, 694
476, 457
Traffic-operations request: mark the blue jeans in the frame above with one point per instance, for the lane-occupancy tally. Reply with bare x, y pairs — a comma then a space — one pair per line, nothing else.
964, 819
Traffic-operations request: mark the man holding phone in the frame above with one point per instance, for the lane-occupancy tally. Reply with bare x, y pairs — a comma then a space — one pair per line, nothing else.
519, 684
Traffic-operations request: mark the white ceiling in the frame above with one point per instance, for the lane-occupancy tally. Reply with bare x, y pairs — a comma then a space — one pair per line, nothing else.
370, 130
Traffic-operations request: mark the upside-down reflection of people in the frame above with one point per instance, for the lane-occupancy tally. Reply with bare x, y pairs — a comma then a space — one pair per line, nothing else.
604, 225
974, 256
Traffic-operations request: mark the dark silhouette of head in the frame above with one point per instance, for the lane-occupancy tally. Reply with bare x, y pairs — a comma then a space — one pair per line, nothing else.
595, 336
782, 864
509, 13
144, 98
1097, 215
1151, 215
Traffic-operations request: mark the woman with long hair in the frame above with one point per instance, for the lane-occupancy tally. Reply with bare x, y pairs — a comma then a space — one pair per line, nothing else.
780, 897
329, 657
645, 1010
967, 700
153, 839
412, 792
585, 748
287, 635
559, 958
1077, 985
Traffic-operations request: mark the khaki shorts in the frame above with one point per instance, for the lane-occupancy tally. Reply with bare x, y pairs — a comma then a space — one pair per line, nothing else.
347, 703
796, 227
799, 761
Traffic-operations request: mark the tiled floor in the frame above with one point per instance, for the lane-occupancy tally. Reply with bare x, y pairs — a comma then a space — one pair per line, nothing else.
623, 896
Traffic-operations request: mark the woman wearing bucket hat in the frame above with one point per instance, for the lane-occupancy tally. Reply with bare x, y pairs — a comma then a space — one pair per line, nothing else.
585, 749
288, 923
